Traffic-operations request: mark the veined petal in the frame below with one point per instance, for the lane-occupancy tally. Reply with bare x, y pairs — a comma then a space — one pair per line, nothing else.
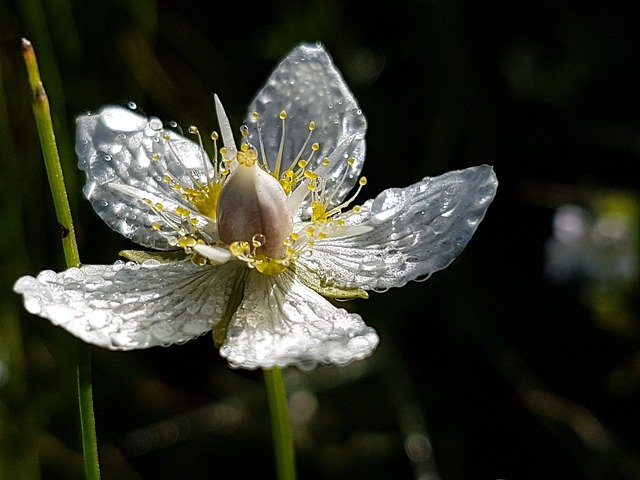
309, 88
282, 322
415, 231
119, 147
130, 306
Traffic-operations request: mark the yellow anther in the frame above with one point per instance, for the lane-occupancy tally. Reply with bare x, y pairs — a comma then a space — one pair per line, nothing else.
148, 201
166, 179
325, 161
156, 226
315, 146
244, 147
302, 163
294, 236
255, 115
166, 136
311, 187
312, 126
310, 232
247, 156
214, 135
356, 209
223, 151
182, 211
159, 207
270, 266
176, 186
199, 260
244, 131
155, 156
283, 115
193, 130
311, 175
194, 221
322, 235
187, 241
363, 181
351, 161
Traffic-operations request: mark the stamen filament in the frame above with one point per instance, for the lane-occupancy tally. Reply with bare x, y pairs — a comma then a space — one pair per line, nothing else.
276, 173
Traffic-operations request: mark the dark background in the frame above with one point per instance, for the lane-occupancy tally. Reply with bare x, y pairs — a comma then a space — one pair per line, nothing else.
491, 369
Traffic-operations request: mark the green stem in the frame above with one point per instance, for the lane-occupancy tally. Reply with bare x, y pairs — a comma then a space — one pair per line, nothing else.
280, 424
87, 419
42, 114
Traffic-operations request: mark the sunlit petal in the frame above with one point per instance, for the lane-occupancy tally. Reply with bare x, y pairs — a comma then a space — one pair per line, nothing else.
281, 322
119, 147
415, 231
129, 306
309, 88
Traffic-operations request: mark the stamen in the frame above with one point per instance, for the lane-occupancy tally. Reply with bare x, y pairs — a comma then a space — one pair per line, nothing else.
283, 117
193, 130
312, 127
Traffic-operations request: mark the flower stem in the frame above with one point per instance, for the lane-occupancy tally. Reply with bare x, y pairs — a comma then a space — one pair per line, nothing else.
42, 114
280, 424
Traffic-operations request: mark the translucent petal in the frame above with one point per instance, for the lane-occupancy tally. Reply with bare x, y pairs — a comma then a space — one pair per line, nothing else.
308, 87
281, 322
119, 147
416, 231
129, 306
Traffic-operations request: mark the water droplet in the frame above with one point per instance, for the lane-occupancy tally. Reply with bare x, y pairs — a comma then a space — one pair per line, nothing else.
171, 125
132, 105
104, 203
155, 124
107, 158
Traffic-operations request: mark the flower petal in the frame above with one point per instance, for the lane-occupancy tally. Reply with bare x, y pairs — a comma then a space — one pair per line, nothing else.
281, 322
308, 87
126, 158
415, 231
129, 306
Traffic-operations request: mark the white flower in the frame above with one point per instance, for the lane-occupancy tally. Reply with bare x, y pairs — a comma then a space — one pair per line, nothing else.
261, 231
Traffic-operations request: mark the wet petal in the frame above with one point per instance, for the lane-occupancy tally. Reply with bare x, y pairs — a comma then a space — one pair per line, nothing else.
129, 306
281, 322
309, 88
415, 231
128, 158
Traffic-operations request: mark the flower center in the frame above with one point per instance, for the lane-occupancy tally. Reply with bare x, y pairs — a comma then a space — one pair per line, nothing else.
241, 203
252, 208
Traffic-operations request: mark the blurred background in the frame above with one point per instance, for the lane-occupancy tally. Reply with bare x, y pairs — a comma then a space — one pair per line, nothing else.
521, 360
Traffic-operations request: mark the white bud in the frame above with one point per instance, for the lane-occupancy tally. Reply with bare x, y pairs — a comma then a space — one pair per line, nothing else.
252, 203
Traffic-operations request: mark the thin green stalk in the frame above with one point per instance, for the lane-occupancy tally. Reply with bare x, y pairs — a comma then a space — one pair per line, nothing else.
42, 114
280, 424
